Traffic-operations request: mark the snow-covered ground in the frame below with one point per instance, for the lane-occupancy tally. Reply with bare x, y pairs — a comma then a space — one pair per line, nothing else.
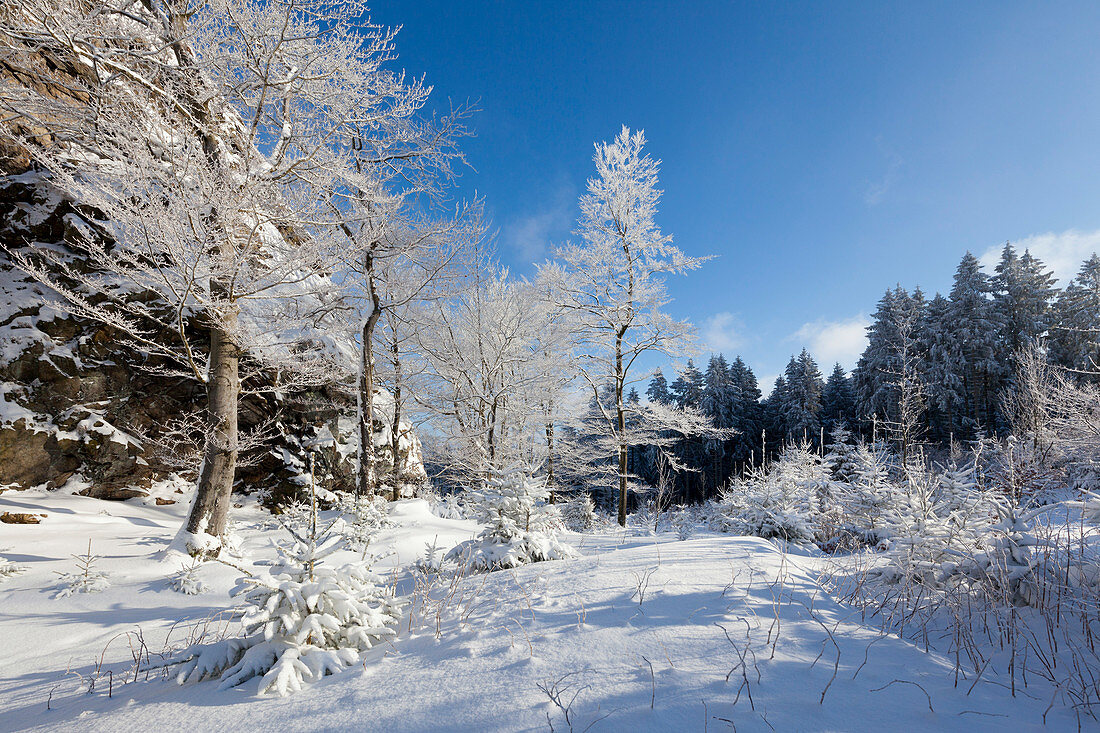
638, 633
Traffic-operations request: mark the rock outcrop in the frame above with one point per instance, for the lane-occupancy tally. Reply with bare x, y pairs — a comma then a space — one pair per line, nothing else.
74, 401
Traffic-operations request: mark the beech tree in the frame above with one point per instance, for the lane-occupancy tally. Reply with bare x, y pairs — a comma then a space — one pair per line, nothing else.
399, 261
612, 283
485, 355
222, 143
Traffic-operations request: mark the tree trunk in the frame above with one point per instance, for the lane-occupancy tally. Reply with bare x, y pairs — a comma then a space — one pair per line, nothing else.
367, 477
550, 459
210, 512
620, 378
395, 427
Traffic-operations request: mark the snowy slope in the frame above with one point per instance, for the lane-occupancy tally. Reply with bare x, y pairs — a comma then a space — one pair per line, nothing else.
628, 637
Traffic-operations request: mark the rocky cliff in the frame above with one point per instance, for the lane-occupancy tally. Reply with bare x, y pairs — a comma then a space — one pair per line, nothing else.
75, 403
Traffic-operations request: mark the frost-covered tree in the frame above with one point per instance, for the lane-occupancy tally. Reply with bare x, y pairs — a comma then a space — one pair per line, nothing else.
872, 499
870, 380
782, 501
802, 398
838, 401
1022, 293
302, 621
521, 525
224, 144
775, 419
972, 321
1075, 338
402, 262
612, 282
498, 358
687, 389
748, 412
657, 391
939, 373
406, 268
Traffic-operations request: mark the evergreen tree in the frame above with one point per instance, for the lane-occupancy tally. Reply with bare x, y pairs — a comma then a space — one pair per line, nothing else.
802, 400
775, 421
748, 412
718, 404
687, 390
939, 371
717, 401
973, 324
1022, 293
838, 401
871, 376
1075, 340
658, 389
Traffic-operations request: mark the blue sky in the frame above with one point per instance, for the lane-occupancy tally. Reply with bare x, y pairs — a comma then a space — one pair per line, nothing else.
823, 151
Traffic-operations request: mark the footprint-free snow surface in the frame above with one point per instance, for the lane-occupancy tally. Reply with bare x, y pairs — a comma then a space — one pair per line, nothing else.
637, 634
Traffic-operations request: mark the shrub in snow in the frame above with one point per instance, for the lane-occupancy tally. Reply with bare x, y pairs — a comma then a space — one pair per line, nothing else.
683, 523
186, 580
579, 514
781, 502
86, 579
363, 517
302, 622
9, 568
1005, 562
521, 527
871, 501
450, 506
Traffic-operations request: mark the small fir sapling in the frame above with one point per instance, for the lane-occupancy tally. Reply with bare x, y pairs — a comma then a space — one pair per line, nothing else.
186, 579
362, 517
871, 499
8, 568
87, 579
1005, 562
431, 561
841, 458
450, 506
579, 514
778, 502
303, 621
521, 526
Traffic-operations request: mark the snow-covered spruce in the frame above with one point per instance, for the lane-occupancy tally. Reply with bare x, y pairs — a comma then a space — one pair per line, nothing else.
186, 579
363, 516
302, 622
781, 502
86, 579
9, 568
871, 501
521, 526
579, 514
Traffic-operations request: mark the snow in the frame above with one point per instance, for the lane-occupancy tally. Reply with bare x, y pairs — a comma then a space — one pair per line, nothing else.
633, 632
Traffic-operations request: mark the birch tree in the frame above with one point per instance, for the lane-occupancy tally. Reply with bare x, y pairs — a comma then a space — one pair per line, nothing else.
612, 283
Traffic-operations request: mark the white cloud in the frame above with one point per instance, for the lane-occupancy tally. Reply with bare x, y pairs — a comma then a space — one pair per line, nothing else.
721, 332
834, 341
1062, 252
875, 191
767, 384
531, 236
